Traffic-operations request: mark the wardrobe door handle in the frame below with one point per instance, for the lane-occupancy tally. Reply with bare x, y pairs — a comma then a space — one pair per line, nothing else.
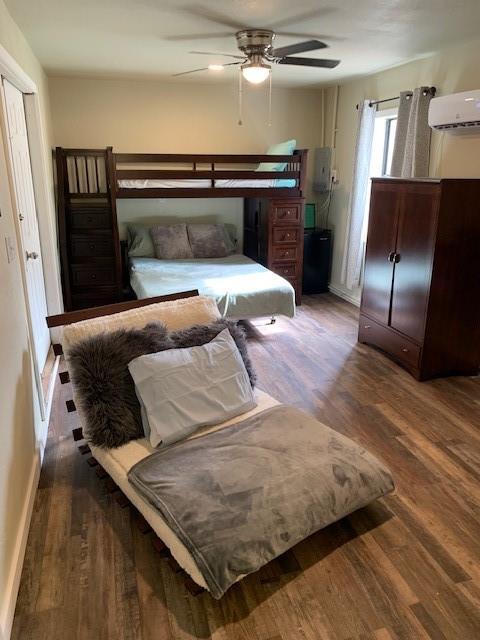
391, 256
396, 258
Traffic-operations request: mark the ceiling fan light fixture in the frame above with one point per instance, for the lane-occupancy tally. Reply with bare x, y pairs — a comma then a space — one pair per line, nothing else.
255, 72
216, 67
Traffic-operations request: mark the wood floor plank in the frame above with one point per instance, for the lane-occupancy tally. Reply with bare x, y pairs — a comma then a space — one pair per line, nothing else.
406, 567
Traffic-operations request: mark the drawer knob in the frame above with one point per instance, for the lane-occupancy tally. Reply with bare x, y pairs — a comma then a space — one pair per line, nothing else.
405, 350
92, 246
93, 276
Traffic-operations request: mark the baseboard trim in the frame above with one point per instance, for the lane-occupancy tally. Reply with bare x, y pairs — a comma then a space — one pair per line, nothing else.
9, 597
343, 294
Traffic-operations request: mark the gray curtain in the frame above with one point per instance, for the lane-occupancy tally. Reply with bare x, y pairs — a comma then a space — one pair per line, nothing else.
411, 151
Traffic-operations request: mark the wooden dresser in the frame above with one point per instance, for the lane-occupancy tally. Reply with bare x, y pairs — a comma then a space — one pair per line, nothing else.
421, 294
87, 229
273, 236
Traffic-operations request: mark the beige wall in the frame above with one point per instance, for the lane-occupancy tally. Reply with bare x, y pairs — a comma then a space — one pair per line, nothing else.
21, 427
150, 116
454, 69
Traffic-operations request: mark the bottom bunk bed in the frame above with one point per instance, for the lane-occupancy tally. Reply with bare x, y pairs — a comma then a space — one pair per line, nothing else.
241, 287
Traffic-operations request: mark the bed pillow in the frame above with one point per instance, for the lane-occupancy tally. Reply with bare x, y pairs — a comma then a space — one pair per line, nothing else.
202, 333
139, 241
184, 389
282, 149
103, 386
209, 240
171, 242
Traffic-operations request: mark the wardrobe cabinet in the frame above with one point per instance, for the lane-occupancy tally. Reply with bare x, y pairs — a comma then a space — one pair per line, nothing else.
421, 293
273, 236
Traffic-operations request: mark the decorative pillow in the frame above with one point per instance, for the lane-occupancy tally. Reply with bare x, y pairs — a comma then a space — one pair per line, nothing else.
282, 149
184, 389
140, 243
202, 333
209, 240
171, 242
103, 385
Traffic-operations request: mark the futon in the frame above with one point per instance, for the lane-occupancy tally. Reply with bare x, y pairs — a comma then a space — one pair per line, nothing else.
233, 496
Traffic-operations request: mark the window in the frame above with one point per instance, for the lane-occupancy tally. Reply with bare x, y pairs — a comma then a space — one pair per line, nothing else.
382, 152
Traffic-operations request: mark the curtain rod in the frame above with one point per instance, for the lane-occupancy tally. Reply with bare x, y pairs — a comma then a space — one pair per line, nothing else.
431, 90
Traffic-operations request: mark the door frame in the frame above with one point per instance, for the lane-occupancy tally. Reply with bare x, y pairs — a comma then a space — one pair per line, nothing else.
43, 189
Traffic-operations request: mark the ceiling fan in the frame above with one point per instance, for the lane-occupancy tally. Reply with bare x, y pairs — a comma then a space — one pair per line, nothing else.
256, 44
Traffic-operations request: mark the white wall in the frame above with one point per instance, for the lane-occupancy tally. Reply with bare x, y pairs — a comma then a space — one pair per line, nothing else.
22, 431
158, 117
454, 69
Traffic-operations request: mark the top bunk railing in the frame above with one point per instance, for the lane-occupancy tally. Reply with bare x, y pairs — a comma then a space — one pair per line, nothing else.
100, 173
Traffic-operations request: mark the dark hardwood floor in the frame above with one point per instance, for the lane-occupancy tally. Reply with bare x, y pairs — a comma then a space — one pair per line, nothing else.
406, 567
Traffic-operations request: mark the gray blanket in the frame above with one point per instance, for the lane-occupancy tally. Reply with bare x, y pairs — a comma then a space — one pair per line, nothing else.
241, 496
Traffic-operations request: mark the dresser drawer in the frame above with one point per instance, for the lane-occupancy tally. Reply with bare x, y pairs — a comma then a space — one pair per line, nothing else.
287, 213
284, 254
390, 341
91, 246
92, 275
286, 270
94, 220
285, 235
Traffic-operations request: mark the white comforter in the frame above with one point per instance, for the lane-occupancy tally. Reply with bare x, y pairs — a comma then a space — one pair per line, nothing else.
241, 287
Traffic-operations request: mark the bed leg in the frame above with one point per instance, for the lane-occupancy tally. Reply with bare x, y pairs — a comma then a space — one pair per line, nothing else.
273, 320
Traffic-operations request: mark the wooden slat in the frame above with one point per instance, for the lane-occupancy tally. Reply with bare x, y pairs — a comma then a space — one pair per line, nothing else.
64, 377
168, 174
215, 192
199, 158
109, 309
77, 434
57, 349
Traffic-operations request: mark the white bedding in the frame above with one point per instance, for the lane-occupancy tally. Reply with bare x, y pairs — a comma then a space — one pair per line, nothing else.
241, 287
117, 463
191, 183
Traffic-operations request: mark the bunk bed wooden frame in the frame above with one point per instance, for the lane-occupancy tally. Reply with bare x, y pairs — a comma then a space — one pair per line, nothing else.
88, 188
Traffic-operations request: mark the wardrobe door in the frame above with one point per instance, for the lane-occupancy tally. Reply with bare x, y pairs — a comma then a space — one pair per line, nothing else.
382, 230
414, 259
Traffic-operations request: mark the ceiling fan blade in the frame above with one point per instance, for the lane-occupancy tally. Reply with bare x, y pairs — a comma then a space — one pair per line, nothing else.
206, 13
199, 36
310, 62
301, 17
299, 47
184, 73
216, 53
309, 36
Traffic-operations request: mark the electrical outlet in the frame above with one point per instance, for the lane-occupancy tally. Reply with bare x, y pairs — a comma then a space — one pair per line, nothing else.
11, 252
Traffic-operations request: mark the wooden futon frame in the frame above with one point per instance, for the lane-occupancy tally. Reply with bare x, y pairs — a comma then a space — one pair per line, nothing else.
109, 485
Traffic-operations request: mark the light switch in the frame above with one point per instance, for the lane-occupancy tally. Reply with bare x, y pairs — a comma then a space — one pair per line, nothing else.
11, 252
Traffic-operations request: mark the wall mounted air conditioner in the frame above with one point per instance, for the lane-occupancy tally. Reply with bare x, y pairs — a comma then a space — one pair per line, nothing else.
456, 113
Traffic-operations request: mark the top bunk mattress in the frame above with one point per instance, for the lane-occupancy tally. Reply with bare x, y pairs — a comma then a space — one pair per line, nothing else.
241, 287
206, 184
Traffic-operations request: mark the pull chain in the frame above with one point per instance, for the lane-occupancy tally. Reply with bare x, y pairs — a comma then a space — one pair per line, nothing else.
269, 123
240, 95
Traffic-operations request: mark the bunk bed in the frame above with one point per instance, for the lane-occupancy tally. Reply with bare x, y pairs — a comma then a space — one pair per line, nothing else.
89, 182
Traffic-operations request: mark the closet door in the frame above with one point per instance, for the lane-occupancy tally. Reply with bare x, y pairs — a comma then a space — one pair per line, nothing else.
382, 231
414, 259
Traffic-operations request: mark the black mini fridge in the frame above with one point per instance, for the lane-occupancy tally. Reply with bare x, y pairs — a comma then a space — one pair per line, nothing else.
317, 251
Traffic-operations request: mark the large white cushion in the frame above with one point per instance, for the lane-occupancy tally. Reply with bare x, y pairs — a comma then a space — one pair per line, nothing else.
181, 390
175, 314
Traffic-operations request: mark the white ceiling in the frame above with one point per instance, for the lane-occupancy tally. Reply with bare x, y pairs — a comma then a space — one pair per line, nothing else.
153, 37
